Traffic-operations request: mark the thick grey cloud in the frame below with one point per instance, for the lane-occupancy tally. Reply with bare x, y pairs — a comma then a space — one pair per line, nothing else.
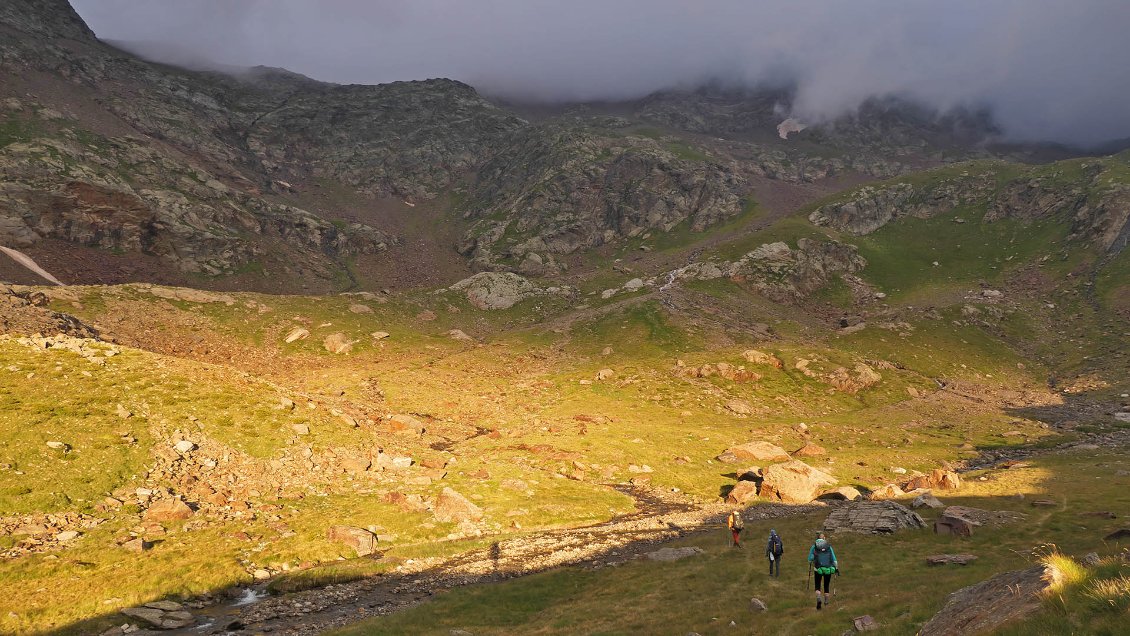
1049, 69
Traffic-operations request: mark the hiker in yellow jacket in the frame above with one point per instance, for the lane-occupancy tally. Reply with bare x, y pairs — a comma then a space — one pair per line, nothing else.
736, 524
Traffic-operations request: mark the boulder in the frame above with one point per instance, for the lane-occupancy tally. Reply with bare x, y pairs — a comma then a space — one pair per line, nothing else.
957, 559
400, 423
984, 607
890, 491
356, 464
358, 308
338, 343
452, 507
155, 616
757, 605
739, 407
872, 517
362, 541
938, 479
497, 290
954, 524
673, 554
864, 623
137, 545
843, 493
758, 452
1118, 535
793, 482
926, 500
810, 450
66, 535
168, 510
759, 357
298, 333
742, 493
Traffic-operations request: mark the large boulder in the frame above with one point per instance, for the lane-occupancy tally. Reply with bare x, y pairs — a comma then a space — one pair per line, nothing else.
760, 357
953, 523
742, 493
843, 493
890, 491
926, 500
938, 479
496, 290
168, 510
793, 482
872, 517
986, 606
338, 343
759, 452
362, 541
455, 508
161, 615
810, 450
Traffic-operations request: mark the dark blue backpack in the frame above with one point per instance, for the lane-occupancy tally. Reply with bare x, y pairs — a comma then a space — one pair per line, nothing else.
822, 556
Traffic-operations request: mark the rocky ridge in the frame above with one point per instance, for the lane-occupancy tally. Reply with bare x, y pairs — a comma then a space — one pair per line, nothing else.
1085, 195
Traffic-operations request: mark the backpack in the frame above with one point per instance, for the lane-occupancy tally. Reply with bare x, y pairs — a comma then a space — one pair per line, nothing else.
822, 556
739, 523
775, 545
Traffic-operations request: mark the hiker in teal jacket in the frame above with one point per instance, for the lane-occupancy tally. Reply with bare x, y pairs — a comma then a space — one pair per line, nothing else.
822, 560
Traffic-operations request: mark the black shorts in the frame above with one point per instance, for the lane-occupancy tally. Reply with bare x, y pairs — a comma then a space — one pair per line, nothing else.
827, 578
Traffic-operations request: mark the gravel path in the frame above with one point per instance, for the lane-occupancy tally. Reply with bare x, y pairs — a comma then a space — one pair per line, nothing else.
658, 519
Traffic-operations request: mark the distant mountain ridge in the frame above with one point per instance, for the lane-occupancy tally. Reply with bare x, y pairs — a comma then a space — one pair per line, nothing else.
119, 169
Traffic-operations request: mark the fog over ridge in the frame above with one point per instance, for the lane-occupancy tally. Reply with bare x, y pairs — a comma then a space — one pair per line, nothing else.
1050, 70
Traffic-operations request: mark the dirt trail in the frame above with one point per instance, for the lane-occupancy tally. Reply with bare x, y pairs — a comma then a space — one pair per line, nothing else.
657, 519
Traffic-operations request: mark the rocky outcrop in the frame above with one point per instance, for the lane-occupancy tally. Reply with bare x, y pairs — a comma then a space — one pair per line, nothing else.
502, 290
872, 517
1094, 203
24, 311
987, 606
776, 271
409, 139
557, 191
161, 615
787, 275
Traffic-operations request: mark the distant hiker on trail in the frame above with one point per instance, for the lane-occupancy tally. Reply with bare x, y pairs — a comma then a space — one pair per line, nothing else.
822, 561
735, 523
774, 549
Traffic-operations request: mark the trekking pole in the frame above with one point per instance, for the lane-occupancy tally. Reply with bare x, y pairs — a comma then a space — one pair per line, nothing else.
808, 580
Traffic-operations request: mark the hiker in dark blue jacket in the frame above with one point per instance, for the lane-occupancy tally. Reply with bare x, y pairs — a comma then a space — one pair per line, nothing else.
822, 561
774, 549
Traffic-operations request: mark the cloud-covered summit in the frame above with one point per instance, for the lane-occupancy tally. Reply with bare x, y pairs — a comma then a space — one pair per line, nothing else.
1050, 70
